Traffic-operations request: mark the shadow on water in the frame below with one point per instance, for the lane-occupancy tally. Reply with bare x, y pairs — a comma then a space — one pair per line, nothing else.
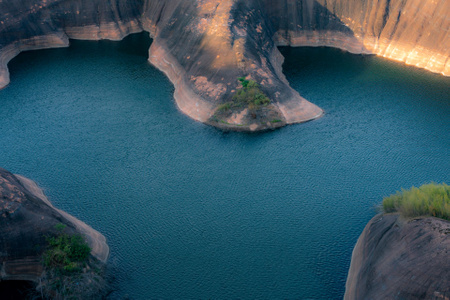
18, 290
136, 44
313, 68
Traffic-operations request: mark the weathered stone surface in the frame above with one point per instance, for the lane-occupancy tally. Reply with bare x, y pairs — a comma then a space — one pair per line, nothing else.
26, 218
401, 259
203, 46
413, 31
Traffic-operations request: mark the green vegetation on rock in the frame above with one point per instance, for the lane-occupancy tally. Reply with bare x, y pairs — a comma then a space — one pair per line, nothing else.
427, 200
225, 106
70, 271
250, 95
66, 253
248, 106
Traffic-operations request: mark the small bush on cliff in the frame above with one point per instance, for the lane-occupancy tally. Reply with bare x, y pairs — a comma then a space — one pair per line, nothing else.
70, 271
66, 253
427, 200
250, 95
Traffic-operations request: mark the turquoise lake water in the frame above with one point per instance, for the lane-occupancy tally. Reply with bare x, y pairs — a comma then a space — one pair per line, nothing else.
191, 212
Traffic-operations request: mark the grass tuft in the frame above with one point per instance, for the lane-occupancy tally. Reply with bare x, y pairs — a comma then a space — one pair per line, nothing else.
428, 200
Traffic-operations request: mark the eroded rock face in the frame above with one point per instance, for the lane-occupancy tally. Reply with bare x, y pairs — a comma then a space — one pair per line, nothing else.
413, 31
26, 218
203, 46
399, 259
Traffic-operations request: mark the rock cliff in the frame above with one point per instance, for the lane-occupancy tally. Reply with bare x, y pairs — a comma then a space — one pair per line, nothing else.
401, 259
26, 218
203, 46
412, 31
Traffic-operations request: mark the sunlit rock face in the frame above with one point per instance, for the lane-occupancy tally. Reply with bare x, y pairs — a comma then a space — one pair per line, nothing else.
203, 46
413, 31
26, 219
401, 259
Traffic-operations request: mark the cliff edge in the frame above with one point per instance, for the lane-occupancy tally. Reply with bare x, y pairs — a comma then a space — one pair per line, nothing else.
396, 258
27, 218
204, 46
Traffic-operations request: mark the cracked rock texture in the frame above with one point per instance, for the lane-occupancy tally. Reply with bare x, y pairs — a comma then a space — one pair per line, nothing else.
401, 259
26, 218
203, 46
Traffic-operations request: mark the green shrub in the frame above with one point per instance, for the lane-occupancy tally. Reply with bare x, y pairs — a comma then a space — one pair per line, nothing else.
244, 82
427, 200
66, 253
250, 95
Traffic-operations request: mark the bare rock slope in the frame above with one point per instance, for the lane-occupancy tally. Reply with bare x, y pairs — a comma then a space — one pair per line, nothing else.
203, 46
26, 218
401, 259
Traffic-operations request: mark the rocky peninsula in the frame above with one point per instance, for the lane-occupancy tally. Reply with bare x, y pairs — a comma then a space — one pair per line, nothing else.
204, 46
27, 220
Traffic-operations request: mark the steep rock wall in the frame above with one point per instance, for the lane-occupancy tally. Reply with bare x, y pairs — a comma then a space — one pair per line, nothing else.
203, 46
416, 32
40, 24
401, 259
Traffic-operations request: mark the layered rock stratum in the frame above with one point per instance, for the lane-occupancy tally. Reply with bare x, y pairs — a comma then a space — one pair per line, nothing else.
27, 218
203, 46
396, 258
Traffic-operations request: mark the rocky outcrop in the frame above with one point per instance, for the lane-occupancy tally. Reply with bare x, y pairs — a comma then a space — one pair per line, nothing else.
26, 219
203, 46
219, 42
401, 259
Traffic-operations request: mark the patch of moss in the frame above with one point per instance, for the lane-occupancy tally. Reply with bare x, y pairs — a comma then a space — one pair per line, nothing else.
427, 200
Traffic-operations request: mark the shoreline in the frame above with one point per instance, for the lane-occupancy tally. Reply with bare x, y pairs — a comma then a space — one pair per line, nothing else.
416, 56
295, 109
95, 239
